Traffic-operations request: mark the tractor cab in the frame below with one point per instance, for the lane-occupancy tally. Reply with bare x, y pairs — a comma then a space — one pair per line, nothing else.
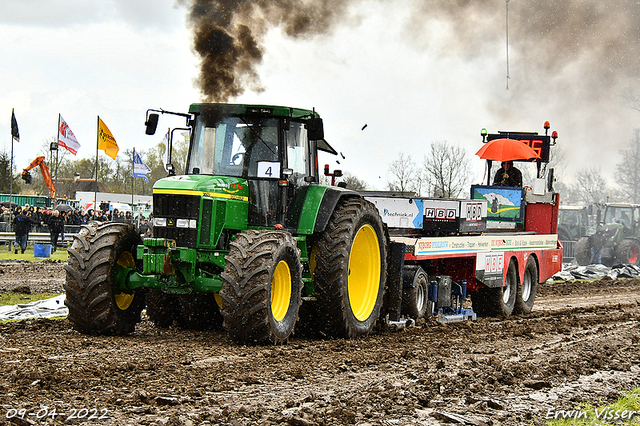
619, 227
268, 153
620, 221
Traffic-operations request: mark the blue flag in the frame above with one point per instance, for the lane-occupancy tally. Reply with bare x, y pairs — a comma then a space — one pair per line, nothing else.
140, 169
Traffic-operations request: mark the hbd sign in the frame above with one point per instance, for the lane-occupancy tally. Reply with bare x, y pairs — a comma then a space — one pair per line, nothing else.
440, 214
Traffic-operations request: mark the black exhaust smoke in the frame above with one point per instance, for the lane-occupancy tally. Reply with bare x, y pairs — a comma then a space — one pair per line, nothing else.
553, 43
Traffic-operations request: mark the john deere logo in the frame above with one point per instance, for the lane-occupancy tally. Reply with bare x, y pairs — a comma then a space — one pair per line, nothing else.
171, 222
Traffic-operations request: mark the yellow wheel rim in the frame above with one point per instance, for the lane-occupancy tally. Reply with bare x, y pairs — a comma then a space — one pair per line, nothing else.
364, 273
124, 300
218, 299
281, 290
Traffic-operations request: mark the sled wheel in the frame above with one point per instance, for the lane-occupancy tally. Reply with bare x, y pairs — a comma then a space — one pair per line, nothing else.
96, 294
527, 291
261, 287
350, 271
162, 308
415, 293
498, 301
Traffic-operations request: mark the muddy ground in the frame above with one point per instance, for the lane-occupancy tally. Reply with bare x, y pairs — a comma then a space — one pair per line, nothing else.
581, 344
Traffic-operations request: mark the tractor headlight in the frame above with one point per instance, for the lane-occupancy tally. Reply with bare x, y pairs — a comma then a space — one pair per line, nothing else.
159, 221
182, 223
193, 223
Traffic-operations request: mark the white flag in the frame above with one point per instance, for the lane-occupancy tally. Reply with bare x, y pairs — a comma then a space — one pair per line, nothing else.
140, 169
66, 138
165, 141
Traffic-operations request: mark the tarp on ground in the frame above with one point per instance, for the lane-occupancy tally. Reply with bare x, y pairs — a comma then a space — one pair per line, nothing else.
589, 272
46, 308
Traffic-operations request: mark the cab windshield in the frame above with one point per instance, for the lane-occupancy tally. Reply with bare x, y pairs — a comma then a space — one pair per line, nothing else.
618, 215
235, 146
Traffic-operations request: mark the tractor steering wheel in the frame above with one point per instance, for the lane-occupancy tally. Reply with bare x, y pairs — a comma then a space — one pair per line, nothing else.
237, 159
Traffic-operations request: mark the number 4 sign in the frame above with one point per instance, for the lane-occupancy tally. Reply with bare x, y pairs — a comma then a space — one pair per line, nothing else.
268, 169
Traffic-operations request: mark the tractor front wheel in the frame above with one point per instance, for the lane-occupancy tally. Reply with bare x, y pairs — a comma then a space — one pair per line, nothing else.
582, 251
99, 260
350, 272
261, 287
628, 252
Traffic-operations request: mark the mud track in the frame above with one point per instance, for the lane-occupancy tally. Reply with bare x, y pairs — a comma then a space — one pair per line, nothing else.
581, 344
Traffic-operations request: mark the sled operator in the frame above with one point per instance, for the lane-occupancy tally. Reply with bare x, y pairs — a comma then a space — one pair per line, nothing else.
507, 175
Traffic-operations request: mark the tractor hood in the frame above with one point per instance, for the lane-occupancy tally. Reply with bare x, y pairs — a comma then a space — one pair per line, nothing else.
222, 187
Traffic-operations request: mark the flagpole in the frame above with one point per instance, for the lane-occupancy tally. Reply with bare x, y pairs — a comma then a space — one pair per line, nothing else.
133, 171
57, 139
11, 173
95, 194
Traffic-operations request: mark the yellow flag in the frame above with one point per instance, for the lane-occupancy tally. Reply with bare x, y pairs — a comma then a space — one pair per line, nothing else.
106, 141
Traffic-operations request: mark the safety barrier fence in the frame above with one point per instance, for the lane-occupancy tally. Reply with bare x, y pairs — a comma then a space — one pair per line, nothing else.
35, 238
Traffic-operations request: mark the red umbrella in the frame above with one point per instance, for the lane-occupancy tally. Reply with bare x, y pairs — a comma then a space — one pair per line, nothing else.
506, 150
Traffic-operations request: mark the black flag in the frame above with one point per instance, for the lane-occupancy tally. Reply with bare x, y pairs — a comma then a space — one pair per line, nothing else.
14, 127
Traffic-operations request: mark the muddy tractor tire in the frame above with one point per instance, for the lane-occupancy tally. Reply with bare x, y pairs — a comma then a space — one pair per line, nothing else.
350, 272
415, 293
200, 312
99, 259
582, 251
162, 308
526, 294
498, 301
628, 252
261, 287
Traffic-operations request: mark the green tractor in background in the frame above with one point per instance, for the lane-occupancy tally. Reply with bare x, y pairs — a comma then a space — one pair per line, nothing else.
239, 240
620, 227
573, 223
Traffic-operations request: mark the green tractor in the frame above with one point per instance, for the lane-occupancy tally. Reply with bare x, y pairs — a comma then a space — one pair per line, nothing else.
620, 227
573, 223
240, 240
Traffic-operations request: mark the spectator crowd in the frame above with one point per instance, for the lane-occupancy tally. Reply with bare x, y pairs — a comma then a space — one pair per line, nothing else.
23, 220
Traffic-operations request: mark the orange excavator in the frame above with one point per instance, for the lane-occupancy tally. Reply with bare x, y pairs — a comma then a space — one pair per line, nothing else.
39, 161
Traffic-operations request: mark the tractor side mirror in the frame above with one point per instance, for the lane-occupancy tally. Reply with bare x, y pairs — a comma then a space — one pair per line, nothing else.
151, 123
315, 129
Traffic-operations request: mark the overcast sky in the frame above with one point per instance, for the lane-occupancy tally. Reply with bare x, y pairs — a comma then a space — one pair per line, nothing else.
413, 75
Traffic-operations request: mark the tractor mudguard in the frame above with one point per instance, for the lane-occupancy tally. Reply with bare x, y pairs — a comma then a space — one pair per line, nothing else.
328, 205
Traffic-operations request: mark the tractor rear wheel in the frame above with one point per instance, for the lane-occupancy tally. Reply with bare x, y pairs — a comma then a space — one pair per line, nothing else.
628, 252
261, 287
582, 251
498, 301
526, 294
99, 260
351, 268
200, 312
162, 308
415, 293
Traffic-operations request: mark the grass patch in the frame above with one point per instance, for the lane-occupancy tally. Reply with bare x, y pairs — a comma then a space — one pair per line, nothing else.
6, 254
625, 411
21, 299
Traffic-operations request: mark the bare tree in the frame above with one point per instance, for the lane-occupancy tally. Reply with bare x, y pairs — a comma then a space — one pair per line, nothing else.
404, 174
633, 99
354, 183
627, 172
590, 186
445, 170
